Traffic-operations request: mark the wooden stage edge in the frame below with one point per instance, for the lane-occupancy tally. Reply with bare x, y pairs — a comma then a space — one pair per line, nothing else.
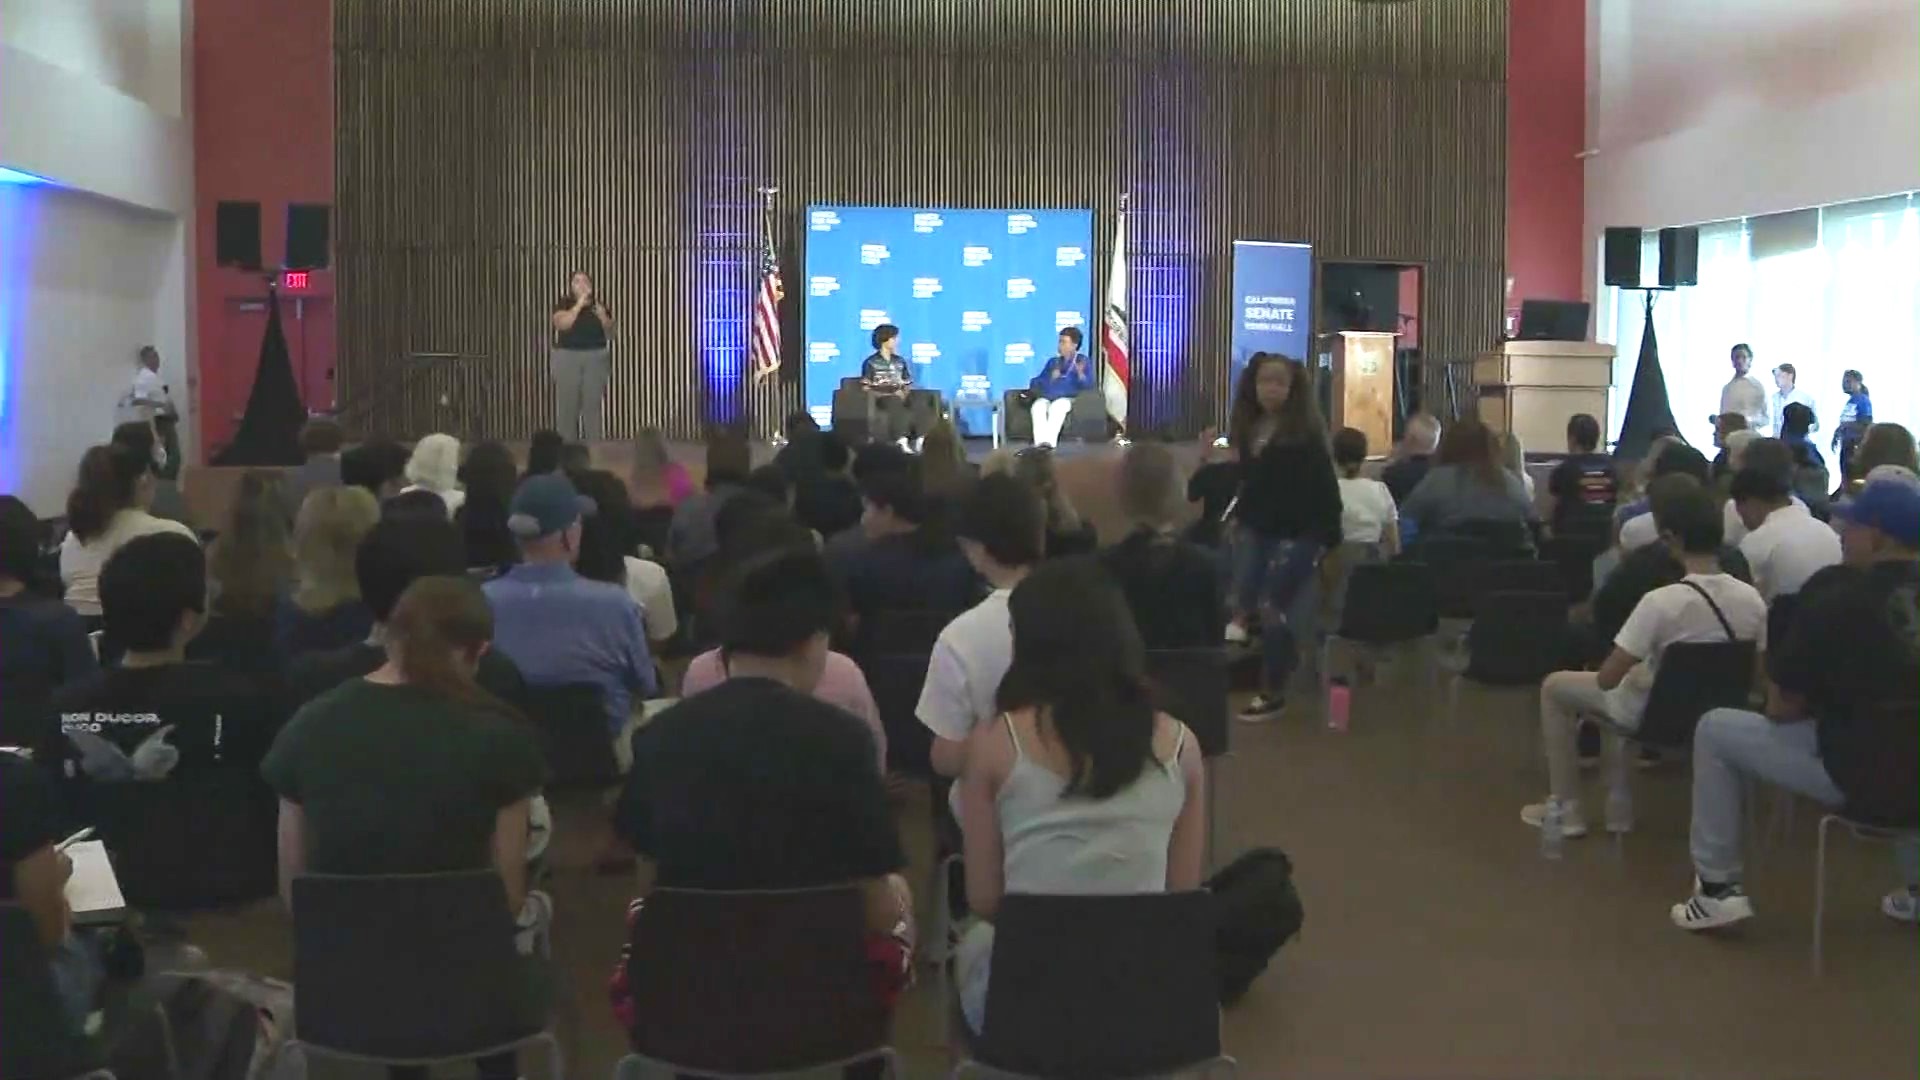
1086, 472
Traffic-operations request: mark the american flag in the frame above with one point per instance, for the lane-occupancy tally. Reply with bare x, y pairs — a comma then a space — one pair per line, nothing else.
765, 348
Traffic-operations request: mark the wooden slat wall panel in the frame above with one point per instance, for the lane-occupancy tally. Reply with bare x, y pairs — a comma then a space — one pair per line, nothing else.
487, 147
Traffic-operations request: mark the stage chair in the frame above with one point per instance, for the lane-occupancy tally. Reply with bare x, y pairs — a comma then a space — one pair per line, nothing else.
853, 412
1062, 1000
1016, 419
753, 983
1088, 419
412, 969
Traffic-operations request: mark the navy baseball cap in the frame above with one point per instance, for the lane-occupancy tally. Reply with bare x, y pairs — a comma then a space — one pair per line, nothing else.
1889, 505
546, 504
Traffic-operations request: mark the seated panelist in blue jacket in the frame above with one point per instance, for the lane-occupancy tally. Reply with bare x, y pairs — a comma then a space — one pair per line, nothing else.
1054, 389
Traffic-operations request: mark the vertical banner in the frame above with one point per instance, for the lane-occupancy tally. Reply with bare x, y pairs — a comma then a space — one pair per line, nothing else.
1272, 294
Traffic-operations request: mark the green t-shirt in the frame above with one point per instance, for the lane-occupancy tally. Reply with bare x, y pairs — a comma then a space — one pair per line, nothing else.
399, 779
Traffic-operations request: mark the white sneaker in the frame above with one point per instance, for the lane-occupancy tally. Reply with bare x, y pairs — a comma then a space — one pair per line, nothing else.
1261, 709
1236, 634
1901, 905
1572, 825
1703, 912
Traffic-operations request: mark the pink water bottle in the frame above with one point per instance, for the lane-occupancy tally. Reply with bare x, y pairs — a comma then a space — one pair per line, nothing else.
1339, 701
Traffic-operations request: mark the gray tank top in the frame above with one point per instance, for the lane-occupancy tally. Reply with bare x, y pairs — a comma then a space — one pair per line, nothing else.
1055, 844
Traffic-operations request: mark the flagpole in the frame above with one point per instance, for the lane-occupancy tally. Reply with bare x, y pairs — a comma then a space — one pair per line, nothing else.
762, 389
1115, 351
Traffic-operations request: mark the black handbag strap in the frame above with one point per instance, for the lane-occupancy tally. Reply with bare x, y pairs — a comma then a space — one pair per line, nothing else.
1717, 613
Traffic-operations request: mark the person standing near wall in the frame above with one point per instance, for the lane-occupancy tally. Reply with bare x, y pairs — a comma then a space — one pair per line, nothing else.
580, 324
1743, 393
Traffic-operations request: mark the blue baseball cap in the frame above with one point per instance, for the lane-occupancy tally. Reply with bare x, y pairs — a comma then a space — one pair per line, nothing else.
1889, 505
546, 504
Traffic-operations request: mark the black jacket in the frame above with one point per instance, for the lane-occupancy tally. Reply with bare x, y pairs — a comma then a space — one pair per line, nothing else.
1288, 491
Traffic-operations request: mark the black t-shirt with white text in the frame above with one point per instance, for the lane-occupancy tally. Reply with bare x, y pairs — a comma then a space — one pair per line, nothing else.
1585, 487
218, 717
753, 785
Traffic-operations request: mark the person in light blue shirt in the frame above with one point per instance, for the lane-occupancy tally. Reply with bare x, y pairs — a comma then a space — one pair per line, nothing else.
1054, 389
557, 626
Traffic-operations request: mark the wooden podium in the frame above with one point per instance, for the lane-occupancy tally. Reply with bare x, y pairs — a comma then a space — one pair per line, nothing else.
1363, 385
1532, 388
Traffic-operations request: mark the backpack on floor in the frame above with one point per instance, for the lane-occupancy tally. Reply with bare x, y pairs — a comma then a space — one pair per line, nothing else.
1256, 910
222, 1025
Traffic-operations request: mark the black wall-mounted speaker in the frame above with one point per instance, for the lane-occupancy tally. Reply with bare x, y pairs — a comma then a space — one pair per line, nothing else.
1679, 257
236, 234
307, 236
1622, 256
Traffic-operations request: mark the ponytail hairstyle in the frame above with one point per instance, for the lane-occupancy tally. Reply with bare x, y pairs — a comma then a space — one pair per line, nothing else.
108, 482
437, 623
1078, 661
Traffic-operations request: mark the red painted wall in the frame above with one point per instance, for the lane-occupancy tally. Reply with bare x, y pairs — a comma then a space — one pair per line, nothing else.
1546, 128
262, 130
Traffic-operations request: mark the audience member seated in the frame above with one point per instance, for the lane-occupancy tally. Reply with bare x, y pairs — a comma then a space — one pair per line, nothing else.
576, 457
435, 467
800, 457
1784, 544
1002, 525
324, 609
1412, 457
1513, 458
757, 784
1369, 520
1078, 786
606, 545
558, 626
378, 466
1850, 646
945, 472
1642, 476
1647, 568
43, 642
108, 508
690, 538
33, 875
656, 485
910, 563
393, 556
773, 482
415, 769
868, 461
157, 712
320, 441
1213, 485
1725, 426
489, 477
1172, 586
250, 565
1067, 532
1707, 604
140, 437
544, 451
1884, 444
828, 501
1811, 481
842, 683
1467, 484
1582, 490
1676, 459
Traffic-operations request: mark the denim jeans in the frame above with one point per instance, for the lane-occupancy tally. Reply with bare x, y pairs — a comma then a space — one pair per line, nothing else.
1732, 745
1269, 575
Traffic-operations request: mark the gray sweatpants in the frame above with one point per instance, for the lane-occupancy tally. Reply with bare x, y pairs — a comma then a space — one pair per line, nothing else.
579, 381
1731, 745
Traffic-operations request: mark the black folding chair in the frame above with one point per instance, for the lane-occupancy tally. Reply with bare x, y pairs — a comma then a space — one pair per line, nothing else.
1517, 639
1573, 554
1693, 677
1194, 685
748, 984
413, 970
1387, 604
205, 837
1064, 1002
572, 721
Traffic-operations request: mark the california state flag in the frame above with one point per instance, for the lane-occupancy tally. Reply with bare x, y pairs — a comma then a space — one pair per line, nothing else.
1113, 337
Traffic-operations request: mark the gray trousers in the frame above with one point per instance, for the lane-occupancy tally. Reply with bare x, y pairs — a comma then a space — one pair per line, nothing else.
1731, 745
579, 382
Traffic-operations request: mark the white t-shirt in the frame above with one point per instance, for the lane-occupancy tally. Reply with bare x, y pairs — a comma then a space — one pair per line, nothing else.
648, 585
1733, 530
969, 659
1638, 532
80, 563
1787, 549
1366, 509
1673, 614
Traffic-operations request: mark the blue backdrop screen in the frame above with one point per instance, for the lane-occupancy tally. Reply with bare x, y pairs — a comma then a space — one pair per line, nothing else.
979, 295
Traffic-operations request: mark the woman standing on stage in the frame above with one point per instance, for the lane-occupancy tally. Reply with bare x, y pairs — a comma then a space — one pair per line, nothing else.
580, 324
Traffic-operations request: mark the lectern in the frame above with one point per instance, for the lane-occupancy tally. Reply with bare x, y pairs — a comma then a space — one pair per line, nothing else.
1363, 385
1532, 388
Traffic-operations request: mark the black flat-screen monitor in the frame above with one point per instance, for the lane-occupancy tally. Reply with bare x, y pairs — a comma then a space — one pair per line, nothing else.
1553, 320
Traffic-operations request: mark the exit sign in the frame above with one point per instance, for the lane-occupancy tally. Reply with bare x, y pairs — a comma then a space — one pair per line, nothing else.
296, 279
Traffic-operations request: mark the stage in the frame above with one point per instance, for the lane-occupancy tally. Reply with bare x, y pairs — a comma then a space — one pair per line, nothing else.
1086, 472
